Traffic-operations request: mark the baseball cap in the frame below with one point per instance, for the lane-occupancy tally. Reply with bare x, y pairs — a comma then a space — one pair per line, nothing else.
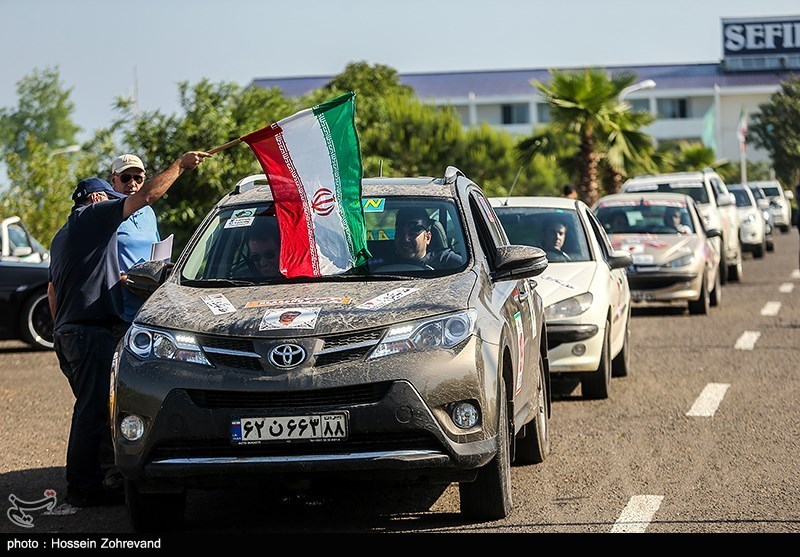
123, 162
91, 185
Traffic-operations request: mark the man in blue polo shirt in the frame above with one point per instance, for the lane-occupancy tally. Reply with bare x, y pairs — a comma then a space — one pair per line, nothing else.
85, 295
136, 234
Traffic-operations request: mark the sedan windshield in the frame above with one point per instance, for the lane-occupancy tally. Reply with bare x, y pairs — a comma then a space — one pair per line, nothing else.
406, 236
645, 216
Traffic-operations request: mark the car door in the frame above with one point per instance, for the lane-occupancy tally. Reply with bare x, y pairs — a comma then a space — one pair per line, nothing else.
513, 301
616, 280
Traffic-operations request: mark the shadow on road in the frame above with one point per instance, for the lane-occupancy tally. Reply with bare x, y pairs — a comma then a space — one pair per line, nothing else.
659, 311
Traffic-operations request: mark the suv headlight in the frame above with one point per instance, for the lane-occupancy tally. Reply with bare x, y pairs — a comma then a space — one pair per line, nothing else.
429, 334
146, 343
571, 307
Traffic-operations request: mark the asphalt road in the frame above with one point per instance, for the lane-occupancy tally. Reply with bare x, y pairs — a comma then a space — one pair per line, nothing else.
649, 459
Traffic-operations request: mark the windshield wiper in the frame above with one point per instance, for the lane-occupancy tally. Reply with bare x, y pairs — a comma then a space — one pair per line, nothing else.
216, 282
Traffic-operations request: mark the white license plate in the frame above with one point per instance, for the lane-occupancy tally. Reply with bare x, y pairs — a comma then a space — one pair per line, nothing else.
313, 427
639, 296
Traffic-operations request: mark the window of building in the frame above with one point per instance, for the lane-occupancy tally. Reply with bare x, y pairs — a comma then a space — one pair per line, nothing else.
639, 105
672, 108
518, 113
542, 113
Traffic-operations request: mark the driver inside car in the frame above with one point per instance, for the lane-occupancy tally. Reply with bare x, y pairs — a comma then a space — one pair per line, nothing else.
412, 241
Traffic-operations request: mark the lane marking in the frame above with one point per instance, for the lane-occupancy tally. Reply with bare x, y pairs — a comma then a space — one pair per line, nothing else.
796, 273
637, 514
747, 341
771, 308
707, 403
786, 288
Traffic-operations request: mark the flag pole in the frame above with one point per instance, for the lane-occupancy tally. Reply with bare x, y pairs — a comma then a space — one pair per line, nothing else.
226, 145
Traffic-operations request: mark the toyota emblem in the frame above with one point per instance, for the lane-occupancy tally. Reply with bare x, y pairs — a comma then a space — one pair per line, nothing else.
287, 355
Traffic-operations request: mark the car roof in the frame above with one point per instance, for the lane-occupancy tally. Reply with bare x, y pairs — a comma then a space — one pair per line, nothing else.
650, 195
535, 201
255, 189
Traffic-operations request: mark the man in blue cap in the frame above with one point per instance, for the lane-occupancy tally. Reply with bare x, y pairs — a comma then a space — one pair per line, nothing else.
85, 294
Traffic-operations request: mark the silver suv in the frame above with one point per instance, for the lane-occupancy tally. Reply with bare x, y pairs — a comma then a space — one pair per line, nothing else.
717, 207
779, 203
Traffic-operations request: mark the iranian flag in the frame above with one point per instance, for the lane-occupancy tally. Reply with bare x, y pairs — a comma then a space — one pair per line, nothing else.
312, 160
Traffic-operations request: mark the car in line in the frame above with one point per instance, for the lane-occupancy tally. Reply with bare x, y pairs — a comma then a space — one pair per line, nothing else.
586, 297
779, 202
763, 204
24, 268
674, 258
753, 227
716, 205
390, 371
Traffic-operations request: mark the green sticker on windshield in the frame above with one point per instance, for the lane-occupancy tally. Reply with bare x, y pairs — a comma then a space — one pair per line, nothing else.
373, 205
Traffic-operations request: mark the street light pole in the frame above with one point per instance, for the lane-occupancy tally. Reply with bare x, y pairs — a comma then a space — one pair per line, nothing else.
64, 150
646, 84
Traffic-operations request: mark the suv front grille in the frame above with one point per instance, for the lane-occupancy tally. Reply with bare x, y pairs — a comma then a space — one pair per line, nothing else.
369, 393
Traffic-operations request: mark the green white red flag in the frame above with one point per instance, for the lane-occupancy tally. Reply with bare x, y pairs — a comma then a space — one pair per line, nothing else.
312, 160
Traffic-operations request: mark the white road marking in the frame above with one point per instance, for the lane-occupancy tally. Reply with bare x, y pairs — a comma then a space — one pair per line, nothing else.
771, 308
796, 273
707, 403
637, 514
786, 288
747, 341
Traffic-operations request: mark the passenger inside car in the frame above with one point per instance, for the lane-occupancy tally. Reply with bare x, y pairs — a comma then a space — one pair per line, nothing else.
420, 240
674, 219
555, 235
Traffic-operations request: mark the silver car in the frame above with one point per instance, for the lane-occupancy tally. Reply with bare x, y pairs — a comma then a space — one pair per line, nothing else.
752, 226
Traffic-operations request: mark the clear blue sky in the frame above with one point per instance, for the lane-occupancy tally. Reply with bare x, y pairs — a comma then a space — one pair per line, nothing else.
99, 46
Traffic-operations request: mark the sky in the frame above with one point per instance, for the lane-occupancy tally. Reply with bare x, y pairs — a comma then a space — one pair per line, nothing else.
104, 49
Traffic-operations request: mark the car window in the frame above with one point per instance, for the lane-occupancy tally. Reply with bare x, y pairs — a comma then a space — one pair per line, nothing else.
243, 242
529, 226
600, 235
17, 237
771, 191
644, 216
742, 199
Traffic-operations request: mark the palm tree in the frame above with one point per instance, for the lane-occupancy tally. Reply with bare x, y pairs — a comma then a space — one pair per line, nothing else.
586, 103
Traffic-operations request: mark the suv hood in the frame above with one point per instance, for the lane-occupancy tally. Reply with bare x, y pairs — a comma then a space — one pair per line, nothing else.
325, 307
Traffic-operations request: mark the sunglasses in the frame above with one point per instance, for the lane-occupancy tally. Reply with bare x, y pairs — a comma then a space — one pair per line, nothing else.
138, 178
267, 255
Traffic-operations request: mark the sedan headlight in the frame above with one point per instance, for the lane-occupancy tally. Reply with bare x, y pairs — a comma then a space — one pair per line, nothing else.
146, 343
430, 334
571, 307
681, 261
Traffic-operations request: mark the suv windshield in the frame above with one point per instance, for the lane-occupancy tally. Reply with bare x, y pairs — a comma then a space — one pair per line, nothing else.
742, 199
410, 236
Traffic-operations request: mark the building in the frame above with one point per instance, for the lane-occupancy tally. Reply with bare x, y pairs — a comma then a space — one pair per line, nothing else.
687, 99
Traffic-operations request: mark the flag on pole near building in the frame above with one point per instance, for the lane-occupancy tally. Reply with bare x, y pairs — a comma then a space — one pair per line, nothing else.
741, 130
709, 132
312, 160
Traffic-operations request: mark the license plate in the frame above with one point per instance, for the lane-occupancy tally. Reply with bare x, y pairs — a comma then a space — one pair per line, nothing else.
312, 427
639, 296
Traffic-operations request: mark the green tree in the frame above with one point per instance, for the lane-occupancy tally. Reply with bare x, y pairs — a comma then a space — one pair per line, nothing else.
776, 128
44, 111
586, 103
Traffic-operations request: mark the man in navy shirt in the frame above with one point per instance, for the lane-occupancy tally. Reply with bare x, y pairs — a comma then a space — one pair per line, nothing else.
85, 294
136, 234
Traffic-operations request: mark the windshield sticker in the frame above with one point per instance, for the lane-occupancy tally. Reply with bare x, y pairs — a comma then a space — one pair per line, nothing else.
289, 318
373, 205
643, 258
387, 298
380, 234
521, 343
297, 301
239, 222
641, 187
218, 304
558, 281
633, 248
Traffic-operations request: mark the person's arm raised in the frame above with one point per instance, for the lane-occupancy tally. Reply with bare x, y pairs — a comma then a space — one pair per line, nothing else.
157, 186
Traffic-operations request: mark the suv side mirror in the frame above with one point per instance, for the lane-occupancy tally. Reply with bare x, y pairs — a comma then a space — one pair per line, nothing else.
145, 277
713, 233
726, 199
788, 194
518, 262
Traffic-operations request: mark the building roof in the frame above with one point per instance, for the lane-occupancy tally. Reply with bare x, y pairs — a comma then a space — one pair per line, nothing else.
518, 82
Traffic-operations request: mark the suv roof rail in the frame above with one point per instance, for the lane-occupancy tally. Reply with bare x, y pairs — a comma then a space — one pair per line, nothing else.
451, 173
250, 182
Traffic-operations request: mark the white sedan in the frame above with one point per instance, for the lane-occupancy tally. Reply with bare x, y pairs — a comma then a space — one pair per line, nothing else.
584, 288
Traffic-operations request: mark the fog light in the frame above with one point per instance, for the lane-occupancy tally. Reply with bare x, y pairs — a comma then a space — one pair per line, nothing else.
132, 427
579, 349
465, 415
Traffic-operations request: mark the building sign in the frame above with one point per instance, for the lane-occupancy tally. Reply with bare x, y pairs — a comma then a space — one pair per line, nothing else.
761, 36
